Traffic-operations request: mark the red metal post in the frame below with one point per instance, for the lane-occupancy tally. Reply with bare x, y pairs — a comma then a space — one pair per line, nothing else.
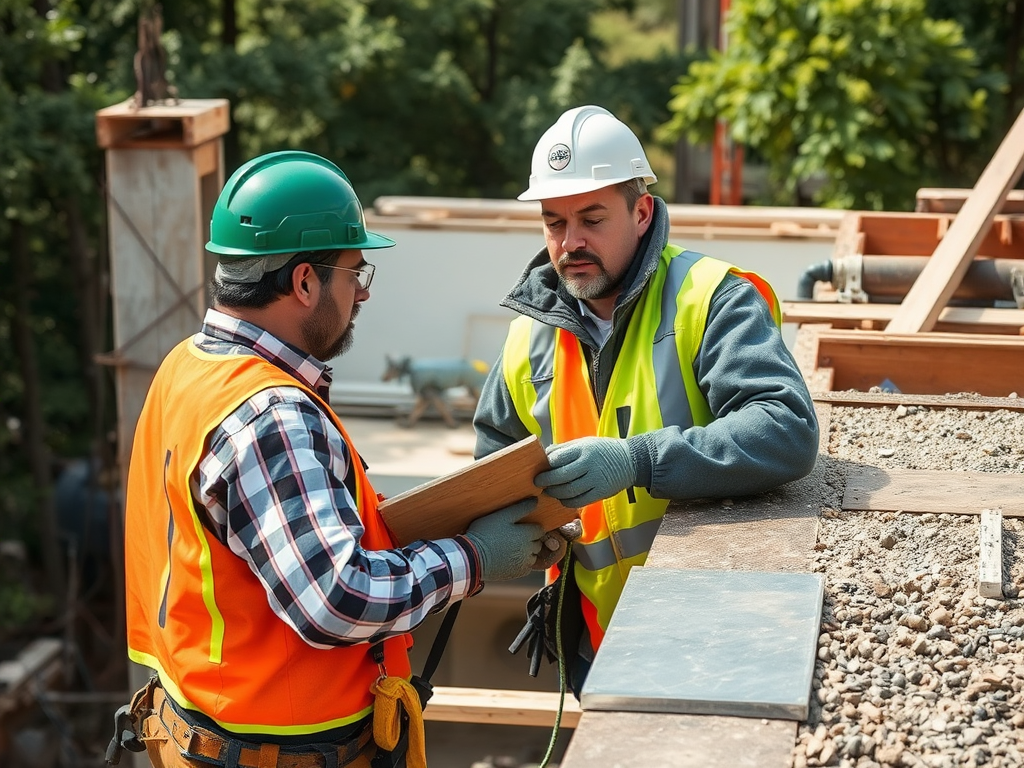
717, 163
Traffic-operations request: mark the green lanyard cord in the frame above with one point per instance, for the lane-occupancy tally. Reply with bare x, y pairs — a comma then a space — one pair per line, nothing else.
561, 657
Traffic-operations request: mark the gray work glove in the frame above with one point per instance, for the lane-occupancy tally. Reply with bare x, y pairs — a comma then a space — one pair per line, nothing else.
587, 469
554, 543
507, 548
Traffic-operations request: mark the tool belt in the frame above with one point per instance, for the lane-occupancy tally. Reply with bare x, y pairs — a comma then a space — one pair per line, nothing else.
150, 712
150, 716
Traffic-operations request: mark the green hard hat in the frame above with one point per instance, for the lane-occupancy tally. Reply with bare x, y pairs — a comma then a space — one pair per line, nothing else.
286, 202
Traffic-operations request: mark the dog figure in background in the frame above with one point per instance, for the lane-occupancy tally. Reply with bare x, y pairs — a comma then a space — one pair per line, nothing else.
429, 378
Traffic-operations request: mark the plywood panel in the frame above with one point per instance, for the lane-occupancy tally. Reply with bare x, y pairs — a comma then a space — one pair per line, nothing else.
921, 490
446, 506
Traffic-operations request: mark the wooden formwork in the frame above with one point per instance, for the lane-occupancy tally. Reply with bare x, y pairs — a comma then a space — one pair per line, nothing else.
833, 359
847, 345
926, 344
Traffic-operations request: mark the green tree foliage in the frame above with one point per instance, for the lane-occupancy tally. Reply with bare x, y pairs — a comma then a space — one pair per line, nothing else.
995, 30
413, 96
49, 233
869, 100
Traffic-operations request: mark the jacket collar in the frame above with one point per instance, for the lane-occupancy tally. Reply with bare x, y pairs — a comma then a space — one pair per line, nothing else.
540, 295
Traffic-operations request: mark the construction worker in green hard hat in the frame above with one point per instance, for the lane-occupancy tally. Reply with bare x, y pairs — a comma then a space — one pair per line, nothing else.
263, 587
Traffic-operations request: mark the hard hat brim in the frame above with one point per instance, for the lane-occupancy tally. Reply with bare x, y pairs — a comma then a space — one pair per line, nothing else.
373, 240
370, 242
550, 189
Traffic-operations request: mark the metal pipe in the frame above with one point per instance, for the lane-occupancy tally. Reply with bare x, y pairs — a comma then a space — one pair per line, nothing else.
893, 276
820, 272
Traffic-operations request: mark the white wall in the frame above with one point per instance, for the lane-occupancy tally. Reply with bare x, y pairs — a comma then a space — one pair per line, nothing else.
437, 293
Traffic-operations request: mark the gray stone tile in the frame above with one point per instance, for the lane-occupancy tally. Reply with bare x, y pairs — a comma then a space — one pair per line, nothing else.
739, 643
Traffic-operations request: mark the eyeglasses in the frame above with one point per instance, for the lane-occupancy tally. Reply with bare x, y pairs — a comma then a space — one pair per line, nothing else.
364, 273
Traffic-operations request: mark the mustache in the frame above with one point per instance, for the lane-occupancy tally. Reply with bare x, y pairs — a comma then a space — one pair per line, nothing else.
579, 257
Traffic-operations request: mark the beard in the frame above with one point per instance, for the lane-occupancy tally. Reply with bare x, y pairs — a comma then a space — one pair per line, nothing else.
320, 329
582, 287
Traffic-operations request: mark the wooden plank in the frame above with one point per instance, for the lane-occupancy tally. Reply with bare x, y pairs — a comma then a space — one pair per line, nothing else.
990, 553
926, 363
888, 233
938, 280
938, 491
892, 399
959, 319
441, 208
188, 123
500, 707
915, 234
446, 506
945, 200
207, 158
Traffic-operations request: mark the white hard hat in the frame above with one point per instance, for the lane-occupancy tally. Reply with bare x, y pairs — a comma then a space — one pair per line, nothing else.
586, 149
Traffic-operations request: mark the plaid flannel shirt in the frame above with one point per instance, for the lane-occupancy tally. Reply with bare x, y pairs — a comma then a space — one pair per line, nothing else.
275, 486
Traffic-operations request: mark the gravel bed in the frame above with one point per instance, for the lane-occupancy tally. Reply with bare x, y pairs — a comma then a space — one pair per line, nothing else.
914, 668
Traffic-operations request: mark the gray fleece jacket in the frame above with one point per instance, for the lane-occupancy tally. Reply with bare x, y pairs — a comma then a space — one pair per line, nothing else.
765, 432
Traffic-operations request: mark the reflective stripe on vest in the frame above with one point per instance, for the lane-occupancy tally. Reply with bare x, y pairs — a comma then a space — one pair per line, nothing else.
196, 613
652, 385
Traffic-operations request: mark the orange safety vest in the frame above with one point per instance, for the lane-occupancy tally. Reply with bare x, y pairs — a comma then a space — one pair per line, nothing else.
196, 613
548, 378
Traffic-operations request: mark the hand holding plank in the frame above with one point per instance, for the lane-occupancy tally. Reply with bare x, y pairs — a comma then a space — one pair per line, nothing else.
446, 506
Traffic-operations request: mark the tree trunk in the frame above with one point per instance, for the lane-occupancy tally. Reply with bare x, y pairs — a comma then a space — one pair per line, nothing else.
229, 39
1013, 43
84, 266
35, 427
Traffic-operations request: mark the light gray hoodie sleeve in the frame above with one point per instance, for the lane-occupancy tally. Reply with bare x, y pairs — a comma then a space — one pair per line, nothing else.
765, 432
496, 421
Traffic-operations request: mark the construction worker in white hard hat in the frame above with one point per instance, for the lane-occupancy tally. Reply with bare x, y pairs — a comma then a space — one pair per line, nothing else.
650, 372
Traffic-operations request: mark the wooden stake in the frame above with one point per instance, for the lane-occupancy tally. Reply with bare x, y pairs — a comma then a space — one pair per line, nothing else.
990, 560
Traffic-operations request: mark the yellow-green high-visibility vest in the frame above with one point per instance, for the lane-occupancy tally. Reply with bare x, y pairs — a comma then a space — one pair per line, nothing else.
652, 386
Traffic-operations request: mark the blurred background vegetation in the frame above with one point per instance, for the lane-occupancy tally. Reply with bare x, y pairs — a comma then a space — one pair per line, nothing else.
846, 103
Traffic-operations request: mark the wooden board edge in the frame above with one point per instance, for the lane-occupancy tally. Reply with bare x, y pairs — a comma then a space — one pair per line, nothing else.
500, 707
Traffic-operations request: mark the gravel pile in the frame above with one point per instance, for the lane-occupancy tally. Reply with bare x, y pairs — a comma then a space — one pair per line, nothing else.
914, 668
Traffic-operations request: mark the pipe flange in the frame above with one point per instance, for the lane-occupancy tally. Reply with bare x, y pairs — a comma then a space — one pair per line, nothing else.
847, 278
1017, 286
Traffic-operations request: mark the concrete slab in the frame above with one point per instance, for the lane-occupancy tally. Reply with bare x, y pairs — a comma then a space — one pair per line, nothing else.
737, 643
640, 740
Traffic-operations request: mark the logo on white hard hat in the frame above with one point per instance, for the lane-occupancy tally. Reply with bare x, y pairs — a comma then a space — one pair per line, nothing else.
559, 157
